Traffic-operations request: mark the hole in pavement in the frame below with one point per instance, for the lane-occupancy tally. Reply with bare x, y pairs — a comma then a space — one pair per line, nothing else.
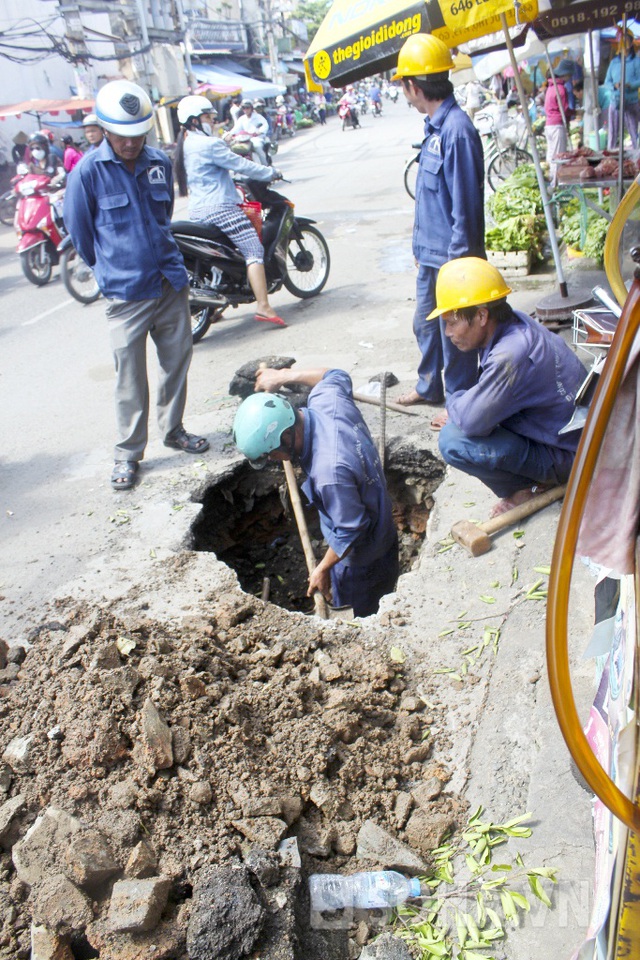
81, 949
247, 521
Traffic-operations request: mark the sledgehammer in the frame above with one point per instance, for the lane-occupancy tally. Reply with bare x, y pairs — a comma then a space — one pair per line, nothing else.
474, 537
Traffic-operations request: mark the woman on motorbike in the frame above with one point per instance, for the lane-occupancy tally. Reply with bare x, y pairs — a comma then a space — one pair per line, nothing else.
202, 164
41, 160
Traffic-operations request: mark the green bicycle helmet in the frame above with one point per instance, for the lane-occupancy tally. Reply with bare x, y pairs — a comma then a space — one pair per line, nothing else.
259, 424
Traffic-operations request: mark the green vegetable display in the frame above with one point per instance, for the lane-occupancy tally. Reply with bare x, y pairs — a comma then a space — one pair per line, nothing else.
516, 207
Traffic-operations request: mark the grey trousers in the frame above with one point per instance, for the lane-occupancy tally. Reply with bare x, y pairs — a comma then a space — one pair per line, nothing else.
167, 320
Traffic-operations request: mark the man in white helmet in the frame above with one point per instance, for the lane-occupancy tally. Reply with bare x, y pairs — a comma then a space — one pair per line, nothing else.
117, 208
256, 126
93, 132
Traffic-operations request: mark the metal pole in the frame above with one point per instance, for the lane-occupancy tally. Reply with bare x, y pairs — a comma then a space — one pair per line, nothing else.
565, 122
191, 80
553, 240
623, 80
596, 108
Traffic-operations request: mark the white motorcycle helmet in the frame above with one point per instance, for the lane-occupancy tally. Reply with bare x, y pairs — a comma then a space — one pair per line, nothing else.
91, 120
190, 108
279, 100
124, 108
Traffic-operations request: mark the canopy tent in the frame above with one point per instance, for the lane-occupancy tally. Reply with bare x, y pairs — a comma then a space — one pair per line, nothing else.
531, 51
246, 85
352, 44
216, 91
53, 107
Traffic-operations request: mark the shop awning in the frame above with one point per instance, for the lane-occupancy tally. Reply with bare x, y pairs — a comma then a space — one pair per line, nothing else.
53, 107
247, 85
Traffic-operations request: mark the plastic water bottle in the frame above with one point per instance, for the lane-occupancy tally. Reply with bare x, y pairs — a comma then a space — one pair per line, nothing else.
368, 891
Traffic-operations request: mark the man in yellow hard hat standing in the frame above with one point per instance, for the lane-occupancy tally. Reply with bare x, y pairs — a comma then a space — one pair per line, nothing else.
449, 211
505, 428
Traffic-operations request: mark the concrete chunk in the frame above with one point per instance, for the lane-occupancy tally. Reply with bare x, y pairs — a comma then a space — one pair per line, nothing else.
136, 905
142, 862
267, 832
8, 811
60, 905
46, 945
157, 736
18, 754
379, 847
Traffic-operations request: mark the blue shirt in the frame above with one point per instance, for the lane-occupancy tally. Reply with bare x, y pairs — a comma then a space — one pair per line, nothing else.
631, 79
527, 383
208, 161
449, 212
345, 480
120, 223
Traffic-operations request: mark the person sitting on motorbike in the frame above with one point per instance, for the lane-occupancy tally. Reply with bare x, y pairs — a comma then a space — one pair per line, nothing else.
42, 162
93, 132
260, 107
202, 165
54, 149
255, 126
376, 98
347, 106
71, 154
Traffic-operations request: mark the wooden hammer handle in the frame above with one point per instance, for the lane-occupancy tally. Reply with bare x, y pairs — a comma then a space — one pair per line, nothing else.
523, 510
303, 530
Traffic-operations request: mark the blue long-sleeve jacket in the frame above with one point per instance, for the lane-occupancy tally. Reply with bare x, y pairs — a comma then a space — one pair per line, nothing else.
527, 384
631, 79
449, 215
120, 223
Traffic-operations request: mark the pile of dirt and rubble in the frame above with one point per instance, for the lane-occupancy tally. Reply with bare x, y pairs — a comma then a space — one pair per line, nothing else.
141, 760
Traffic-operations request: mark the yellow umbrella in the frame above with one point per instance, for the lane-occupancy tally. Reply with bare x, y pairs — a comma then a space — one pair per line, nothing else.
352, 43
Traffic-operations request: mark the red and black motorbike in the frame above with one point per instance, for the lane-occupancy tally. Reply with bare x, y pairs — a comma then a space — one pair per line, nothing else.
348, 113
39, 225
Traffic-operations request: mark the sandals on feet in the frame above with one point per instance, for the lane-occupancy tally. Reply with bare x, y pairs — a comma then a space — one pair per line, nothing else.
263, 318
124, 474
188, 442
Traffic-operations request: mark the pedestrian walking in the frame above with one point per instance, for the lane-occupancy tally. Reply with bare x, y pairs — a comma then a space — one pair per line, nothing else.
117, 208
449, 211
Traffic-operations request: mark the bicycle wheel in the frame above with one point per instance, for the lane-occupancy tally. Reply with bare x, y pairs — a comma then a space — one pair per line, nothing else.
503, 165
410, 177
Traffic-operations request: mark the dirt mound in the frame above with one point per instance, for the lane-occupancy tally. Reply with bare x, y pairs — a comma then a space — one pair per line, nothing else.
203, 740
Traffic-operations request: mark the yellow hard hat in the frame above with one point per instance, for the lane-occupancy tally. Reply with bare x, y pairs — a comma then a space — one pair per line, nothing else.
421, 55
467, 282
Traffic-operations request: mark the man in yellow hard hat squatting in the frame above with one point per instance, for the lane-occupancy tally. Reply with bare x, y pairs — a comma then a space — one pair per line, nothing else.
505, 428
449, 209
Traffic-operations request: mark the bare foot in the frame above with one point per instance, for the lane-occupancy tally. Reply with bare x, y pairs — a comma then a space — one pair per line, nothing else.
439, 421
520, 496
412, 398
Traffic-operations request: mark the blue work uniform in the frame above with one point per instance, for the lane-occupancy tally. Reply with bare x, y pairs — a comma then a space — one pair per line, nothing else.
449, 223
345, 482
504, 429
120, 222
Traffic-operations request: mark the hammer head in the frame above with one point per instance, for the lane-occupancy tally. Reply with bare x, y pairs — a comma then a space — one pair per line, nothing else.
471, 537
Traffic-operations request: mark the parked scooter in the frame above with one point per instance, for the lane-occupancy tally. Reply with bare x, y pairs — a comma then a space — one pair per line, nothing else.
39, 225
296, 255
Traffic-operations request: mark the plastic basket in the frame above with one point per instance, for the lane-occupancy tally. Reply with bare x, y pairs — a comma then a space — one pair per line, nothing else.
253, 211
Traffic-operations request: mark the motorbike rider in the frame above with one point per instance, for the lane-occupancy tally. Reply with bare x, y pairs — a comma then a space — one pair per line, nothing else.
255, 126
42, 161
54, 149
260, 107
376, 98
347, 106
93, 132
202, 164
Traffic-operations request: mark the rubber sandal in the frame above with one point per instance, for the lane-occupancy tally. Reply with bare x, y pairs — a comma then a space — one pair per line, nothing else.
124, 474
187, 442
277, 321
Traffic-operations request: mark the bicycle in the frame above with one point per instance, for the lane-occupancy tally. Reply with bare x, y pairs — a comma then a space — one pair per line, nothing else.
500, 158
411, 171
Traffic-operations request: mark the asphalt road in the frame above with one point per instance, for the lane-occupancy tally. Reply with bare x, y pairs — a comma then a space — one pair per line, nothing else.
56, 372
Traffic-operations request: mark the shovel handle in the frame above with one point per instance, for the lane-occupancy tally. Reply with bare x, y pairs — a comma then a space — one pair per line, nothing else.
305, 539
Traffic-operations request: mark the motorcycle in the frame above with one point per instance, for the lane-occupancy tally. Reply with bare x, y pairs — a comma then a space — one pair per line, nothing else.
296, 255
77, 277
376, 108
8, 204
363, 103
242, 144
39, 225
349, 116
285, 124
